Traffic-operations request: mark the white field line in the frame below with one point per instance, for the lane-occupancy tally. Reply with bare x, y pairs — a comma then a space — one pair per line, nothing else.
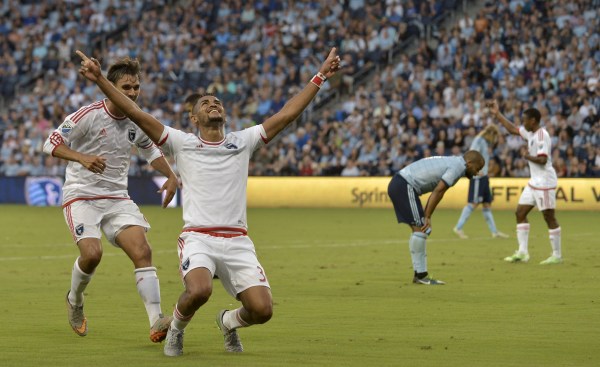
298, 244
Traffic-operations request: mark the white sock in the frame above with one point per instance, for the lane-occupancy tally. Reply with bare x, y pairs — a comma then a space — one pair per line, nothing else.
79, 281
523, 237
232, 319
418, 252
147, 285
555, 242
180, 321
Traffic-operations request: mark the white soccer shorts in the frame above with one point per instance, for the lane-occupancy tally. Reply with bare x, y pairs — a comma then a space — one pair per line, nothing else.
87, 218
542, 198
232, 260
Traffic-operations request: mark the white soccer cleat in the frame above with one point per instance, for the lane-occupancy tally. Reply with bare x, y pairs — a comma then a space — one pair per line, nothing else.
230, 337
500, 235
174, 343
460, 233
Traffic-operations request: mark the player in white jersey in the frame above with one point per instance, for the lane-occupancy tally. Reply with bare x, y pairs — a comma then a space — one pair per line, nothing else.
97, 140
541, 189
479, 185
214, 172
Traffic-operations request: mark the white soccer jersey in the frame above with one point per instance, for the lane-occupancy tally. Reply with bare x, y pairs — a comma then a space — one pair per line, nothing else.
539, 144
93, 130
214, 176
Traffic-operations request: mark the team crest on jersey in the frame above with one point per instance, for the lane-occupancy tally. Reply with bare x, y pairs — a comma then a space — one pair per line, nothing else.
131, 135
79, 230
186, 264
66, 128
231, 146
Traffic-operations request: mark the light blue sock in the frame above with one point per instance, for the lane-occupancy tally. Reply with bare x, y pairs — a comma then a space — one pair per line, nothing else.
489, 218
466, 213
418, 252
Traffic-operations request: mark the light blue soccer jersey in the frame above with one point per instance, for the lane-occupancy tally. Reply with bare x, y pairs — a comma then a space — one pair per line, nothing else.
480, 144
425, 174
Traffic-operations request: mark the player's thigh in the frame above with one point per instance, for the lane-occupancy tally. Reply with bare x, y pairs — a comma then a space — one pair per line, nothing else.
545, 199
239, 268
485, 193
83, 218
121, 214
406, 202
198, 281
197, 250
474, 196
527, 197
132, 240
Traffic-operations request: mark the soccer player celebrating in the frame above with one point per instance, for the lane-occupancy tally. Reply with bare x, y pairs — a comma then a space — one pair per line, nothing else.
214, 173
541, 188
435, 175
479, 185
97, 140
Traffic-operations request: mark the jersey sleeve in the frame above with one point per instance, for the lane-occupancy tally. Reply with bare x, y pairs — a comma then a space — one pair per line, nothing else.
147, 149
171, 141
257, 137
67, 132
453, 173
524, 133
543, 143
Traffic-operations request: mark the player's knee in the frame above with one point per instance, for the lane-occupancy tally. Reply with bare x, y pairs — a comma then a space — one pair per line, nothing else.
262, 313
90, 258
141, 254
199, 294
519, 215
550, 220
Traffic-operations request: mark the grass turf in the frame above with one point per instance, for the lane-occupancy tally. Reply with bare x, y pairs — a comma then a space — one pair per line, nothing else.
341, 282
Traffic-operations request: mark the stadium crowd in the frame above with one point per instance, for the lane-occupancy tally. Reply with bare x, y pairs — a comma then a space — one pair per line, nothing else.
254, 54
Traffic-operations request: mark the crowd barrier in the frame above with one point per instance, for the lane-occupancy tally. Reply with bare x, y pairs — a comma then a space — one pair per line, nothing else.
314, 192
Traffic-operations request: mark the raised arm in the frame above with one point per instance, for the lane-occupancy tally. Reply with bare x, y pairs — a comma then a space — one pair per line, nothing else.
294, 107
90, 69
495, 112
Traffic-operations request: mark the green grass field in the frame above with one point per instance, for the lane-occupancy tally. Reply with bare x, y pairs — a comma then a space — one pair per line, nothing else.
341, 282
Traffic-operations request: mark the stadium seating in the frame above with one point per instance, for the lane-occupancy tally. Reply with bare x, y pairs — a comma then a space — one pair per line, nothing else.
388, 107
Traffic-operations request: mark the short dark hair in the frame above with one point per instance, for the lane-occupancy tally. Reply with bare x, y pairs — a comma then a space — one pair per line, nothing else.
125, 66
533, 113
191, 100
200, 96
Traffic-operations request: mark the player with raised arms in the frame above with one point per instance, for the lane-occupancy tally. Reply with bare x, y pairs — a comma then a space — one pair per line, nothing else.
541, 188
214, 173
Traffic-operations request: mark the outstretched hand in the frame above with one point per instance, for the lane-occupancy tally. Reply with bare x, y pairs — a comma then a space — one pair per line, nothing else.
331, 64
90, 68
493, 106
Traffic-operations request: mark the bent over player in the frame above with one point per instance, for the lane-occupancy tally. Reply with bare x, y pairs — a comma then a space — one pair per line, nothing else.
541, 188
435, 175
97, 140
214, 172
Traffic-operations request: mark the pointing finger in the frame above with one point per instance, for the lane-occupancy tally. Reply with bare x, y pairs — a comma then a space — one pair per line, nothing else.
82, 55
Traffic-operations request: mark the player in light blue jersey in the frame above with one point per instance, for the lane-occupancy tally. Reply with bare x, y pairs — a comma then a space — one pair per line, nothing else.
435, 175
479, 186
